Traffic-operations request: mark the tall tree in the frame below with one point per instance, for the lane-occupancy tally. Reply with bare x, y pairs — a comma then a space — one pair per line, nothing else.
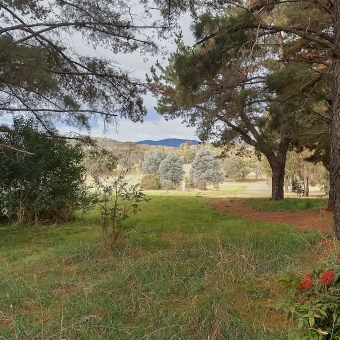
152, 162
49, 67
171, 169
312, 33
205, 168
314, 30
218, 87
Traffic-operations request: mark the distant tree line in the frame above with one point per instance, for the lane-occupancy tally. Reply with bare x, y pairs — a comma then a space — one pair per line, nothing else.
236, 163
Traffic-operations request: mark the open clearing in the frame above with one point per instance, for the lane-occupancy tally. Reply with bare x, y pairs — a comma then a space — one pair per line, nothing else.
190, 265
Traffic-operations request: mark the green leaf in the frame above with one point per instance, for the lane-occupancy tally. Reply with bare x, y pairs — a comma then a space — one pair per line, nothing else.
323, 312
311, 320
300, 323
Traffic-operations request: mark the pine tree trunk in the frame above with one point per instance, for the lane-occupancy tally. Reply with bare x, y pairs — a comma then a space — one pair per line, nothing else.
278, 176
335, 124
331, 194
278, 165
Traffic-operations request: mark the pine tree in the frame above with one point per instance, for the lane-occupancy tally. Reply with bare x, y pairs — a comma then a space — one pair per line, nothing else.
48, 68
312, 33
215, 88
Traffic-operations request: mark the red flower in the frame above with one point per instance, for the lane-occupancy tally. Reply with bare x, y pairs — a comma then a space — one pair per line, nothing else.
327, 277
307, 282
338, 256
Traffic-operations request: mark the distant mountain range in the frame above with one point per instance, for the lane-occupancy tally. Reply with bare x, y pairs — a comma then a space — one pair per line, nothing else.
111, 143
168, 142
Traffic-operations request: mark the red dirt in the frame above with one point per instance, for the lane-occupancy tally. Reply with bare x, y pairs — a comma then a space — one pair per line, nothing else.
321, 220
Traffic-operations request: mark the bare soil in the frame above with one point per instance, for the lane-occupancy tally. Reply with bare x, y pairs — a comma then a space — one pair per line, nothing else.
318, 220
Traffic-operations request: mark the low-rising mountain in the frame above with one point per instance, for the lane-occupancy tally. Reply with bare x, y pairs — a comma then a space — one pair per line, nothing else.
168, 142
111, 143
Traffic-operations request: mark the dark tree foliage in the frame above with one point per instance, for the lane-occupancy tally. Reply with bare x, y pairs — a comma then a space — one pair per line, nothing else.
52, 65
44, 181
251, 80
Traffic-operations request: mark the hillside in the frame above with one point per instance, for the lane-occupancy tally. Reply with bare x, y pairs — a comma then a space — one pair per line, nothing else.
174, 142
111, 143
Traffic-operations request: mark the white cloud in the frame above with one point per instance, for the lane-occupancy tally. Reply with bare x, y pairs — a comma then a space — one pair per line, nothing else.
151, 130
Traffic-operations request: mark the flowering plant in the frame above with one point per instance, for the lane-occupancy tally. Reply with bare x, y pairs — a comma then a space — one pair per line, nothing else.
315, 302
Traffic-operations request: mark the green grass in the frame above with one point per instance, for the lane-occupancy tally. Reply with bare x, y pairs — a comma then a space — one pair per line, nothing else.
181, 271
229, 189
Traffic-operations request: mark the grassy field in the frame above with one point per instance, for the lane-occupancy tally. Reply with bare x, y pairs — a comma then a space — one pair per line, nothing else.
180, 271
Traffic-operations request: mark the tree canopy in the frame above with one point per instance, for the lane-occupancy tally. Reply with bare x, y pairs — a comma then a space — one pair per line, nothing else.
52, 65
305, 33
219, 87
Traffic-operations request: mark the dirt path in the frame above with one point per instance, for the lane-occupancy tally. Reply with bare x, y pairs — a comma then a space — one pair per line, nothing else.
322, 220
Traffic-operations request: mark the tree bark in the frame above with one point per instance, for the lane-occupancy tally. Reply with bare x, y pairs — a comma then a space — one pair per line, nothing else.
331, 192
335, 124
278, 166
305, 187
278, 175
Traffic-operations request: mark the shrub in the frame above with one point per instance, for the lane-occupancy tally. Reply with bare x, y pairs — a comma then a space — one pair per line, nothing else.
297, 187
314, 301
150, 182
41, 177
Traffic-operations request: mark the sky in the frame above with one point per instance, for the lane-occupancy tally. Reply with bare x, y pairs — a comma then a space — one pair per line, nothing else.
154, 127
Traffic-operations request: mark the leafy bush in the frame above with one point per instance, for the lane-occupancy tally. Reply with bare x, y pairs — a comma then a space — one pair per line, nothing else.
297, 187
150, 182
41, 177
314, 302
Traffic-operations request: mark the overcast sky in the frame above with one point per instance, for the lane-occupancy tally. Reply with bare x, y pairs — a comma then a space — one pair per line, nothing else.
154, 126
